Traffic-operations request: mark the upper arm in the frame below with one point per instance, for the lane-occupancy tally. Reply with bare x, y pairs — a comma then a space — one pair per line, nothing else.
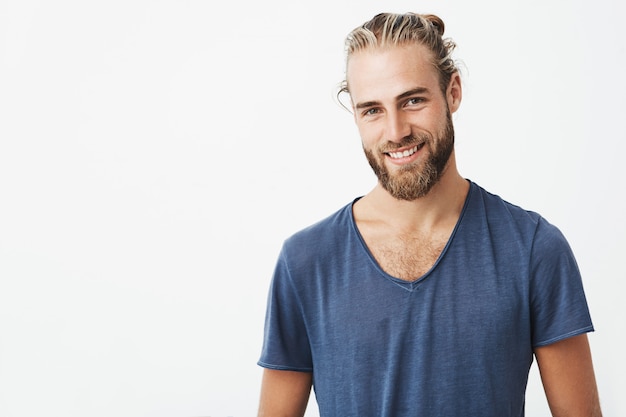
568, 379
284, 393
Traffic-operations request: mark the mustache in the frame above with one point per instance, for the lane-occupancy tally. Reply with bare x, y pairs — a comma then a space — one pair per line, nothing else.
410, 140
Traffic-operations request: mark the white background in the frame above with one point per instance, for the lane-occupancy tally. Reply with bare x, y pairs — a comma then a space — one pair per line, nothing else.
155, 154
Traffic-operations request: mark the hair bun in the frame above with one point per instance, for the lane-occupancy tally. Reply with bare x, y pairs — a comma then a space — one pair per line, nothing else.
436, 22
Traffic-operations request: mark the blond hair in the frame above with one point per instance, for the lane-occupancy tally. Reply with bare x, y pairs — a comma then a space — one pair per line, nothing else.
390, 29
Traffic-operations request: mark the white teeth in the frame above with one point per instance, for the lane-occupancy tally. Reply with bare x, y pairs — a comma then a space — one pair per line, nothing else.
404, 154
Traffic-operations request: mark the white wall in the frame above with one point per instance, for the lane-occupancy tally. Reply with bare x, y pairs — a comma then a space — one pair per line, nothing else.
155, 154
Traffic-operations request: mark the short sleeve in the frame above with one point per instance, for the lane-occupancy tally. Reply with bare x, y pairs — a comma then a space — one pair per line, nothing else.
558, 305
286, 343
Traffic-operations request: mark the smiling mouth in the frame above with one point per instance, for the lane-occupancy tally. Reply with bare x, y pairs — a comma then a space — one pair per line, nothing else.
405, 153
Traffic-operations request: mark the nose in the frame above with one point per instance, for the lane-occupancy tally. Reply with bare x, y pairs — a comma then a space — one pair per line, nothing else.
398, 127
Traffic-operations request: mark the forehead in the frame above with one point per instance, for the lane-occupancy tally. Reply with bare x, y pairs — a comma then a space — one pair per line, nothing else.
377, 73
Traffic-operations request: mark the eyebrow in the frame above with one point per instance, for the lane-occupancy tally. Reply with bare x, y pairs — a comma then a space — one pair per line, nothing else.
417, 90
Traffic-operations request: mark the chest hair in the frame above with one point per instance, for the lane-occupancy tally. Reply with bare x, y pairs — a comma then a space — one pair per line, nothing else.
407, 257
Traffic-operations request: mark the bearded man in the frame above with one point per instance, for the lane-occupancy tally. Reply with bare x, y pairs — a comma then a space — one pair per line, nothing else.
429, 296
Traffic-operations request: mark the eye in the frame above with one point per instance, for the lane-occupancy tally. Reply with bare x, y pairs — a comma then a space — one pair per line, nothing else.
415, 101
371, 111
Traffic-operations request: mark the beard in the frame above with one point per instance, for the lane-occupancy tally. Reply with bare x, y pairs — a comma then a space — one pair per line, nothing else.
413, 181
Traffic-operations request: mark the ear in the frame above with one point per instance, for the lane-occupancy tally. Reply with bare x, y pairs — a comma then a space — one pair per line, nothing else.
454, 92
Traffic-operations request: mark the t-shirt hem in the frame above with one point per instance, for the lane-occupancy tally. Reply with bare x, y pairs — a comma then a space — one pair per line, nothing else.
565, 336
283, 367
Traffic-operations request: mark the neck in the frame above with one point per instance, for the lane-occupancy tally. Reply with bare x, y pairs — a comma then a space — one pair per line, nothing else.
442, 204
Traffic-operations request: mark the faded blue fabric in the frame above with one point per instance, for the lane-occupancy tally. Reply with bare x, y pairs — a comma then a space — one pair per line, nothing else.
457, 342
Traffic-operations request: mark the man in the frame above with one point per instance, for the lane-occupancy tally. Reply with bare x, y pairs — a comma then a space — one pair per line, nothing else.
428, 296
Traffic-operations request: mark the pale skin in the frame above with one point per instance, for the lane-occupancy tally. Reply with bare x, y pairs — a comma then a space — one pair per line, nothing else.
395, 93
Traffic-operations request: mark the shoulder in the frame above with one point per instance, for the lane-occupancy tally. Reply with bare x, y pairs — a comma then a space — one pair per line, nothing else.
322, 236
498, 207
500, 215
546, 237
513, 223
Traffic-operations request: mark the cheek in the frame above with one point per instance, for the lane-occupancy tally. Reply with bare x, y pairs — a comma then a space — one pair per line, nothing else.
369, 134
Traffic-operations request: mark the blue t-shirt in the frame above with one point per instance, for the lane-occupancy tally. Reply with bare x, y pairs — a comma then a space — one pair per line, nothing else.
457, 342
